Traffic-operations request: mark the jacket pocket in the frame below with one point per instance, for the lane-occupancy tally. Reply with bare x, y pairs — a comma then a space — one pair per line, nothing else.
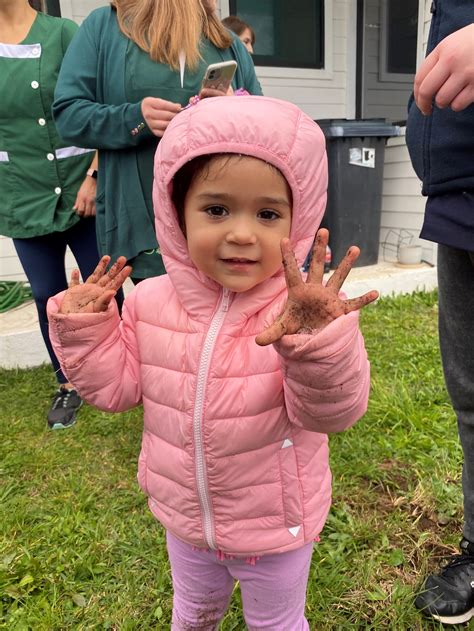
142, 463
5, 185
290, 485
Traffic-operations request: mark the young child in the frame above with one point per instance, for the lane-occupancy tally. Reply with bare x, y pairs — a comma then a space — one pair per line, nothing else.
234, 457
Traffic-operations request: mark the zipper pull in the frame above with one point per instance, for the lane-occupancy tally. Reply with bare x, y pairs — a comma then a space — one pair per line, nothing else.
225, 300
433, 7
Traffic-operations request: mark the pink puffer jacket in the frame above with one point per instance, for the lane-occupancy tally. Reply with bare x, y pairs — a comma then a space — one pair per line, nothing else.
235, 452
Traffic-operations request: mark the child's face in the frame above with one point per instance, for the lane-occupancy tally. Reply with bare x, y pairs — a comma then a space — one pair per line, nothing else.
235, 217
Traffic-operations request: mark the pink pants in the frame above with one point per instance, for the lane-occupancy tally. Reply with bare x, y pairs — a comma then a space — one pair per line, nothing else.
273, 590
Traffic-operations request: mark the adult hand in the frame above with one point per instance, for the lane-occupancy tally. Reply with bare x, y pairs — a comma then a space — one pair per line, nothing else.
96, 293
158, 113
85, 199
447, 74
311, 306
206, 93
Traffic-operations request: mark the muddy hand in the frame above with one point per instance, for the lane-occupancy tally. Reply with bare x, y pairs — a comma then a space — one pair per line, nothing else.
96, 293
311, 306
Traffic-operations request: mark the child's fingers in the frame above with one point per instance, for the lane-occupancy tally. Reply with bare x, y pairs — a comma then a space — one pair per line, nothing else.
354, 304
121, 277
339, 276
292, 273
99, 271
316, 268
105, 280
273, 333
74, 278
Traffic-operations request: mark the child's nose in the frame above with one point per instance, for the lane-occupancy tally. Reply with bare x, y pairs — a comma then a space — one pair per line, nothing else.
241, 232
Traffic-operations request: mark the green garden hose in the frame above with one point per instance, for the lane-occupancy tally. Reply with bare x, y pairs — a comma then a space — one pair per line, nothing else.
13, 293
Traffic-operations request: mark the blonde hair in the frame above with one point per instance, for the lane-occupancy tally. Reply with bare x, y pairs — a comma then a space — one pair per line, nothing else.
166, 28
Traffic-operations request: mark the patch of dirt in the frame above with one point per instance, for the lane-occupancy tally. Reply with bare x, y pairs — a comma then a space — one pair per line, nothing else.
397, 474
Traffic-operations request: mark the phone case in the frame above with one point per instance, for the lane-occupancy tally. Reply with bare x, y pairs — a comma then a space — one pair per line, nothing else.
219, 76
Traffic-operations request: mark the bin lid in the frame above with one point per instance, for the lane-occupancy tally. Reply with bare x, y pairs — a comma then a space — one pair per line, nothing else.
344, 127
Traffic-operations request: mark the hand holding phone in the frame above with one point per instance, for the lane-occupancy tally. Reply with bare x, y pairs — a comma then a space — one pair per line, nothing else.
219, 76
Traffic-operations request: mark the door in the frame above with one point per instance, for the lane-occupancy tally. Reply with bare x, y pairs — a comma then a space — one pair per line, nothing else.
387, 57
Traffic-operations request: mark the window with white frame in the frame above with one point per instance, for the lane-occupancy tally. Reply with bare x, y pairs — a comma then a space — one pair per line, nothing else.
398, 41
288, 34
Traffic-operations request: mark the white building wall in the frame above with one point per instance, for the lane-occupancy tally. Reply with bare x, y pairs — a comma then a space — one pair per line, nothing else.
77, 10
402, 203
328, 93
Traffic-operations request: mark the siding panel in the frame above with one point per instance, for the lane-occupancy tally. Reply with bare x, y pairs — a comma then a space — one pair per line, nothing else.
403, 205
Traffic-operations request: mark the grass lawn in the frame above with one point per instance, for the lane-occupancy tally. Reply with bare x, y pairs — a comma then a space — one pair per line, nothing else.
80, 550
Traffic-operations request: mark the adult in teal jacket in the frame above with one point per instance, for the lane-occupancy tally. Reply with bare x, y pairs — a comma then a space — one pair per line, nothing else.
127, 73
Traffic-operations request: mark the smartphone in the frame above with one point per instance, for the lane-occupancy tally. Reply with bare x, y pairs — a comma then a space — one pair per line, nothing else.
219, 76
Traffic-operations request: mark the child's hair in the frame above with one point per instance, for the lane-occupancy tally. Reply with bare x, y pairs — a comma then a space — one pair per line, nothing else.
183, 179
238, 26
200, 167
37, 5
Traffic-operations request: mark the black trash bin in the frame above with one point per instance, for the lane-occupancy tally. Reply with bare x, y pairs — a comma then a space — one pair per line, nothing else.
355, 150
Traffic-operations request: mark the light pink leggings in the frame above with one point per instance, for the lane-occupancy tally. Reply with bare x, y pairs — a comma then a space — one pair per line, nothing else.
273, 590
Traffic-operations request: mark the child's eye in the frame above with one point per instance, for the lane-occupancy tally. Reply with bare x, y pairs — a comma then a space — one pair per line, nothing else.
268, 215
216, 211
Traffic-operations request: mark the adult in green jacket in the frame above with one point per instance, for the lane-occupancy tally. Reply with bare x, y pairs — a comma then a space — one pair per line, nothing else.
128, 71
47, 186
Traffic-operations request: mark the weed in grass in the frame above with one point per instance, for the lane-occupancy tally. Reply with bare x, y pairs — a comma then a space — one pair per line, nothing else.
80, 550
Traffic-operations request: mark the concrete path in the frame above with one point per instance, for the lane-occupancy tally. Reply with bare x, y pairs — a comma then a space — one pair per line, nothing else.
21, 344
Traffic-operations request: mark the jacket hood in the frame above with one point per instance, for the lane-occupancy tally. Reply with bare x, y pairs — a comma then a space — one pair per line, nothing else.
275, 131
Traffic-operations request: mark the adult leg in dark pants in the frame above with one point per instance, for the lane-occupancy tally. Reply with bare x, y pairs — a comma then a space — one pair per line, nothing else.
43, 260
456, 336
449, 596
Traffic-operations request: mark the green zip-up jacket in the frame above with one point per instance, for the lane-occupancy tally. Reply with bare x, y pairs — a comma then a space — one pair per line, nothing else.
91, 109
39, 173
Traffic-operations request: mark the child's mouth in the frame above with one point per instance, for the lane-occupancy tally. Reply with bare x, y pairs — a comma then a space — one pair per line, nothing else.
239, 261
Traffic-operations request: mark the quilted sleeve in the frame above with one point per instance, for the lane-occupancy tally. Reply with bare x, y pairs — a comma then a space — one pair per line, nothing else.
79, 115
98, 353
326, 376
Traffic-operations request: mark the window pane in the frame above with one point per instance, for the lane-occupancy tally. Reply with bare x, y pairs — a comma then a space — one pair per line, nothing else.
287, 33
402, 30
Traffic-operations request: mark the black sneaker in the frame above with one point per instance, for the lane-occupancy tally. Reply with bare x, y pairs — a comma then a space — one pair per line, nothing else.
64, 408
449, 595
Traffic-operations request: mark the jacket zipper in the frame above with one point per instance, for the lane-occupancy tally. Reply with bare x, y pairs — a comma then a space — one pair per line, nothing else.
201, 470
